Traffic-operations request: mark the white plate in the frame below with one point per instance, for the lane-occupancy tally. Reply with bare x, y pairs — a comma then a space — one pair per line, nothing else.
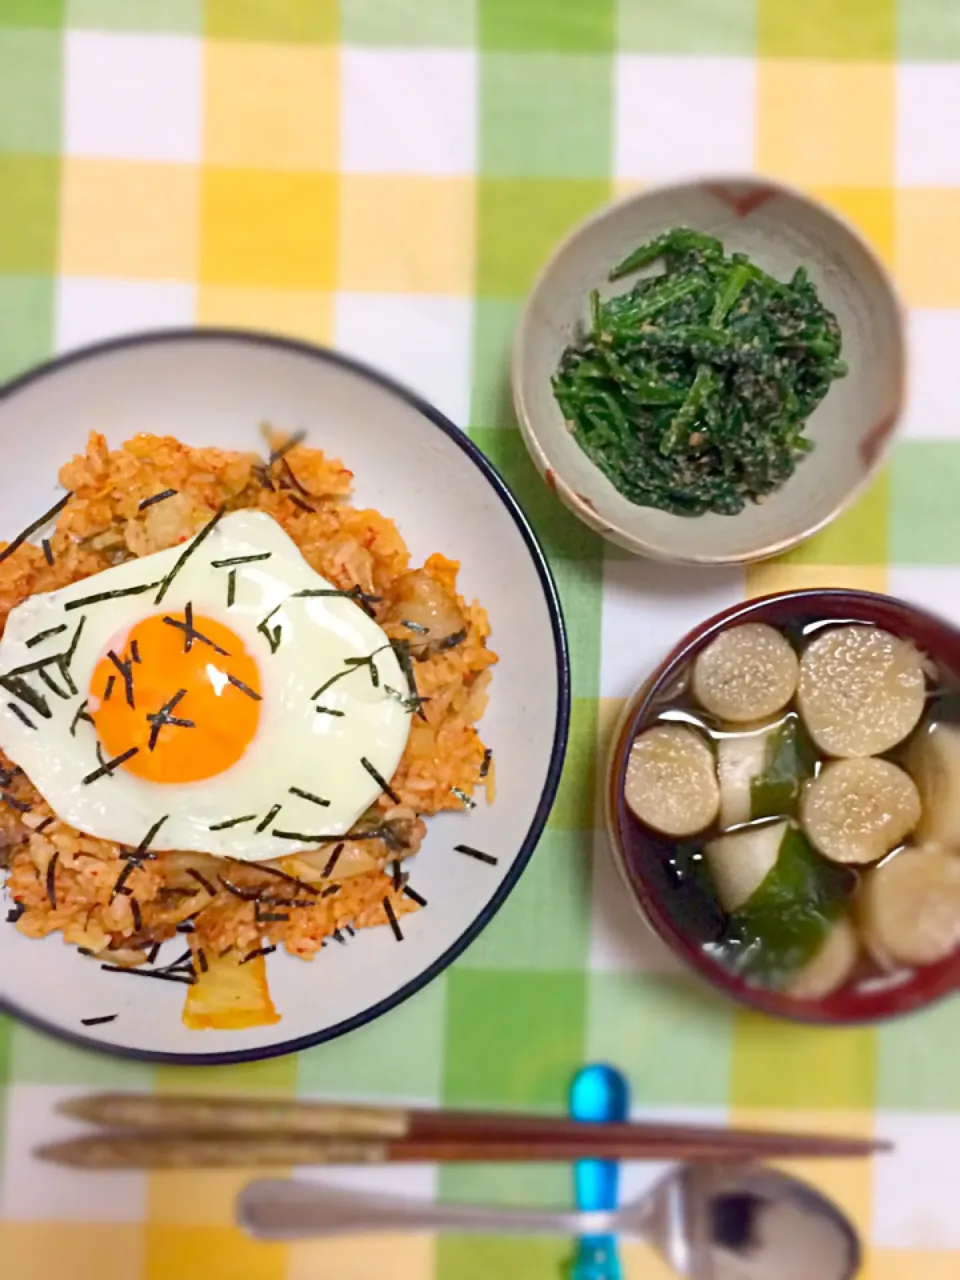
215, 388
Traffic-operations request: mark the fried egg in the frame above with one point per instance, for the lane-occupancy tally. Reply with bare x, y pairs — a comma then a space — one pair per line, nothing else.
218, 696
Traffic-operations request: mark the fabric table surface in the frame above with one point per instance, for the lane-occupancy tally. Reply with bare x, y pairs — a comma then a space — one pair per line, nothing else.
387, 176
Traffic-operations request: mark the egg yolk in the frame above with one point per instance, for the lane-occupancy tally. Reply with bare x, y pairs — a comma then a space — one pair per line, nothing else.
184, 691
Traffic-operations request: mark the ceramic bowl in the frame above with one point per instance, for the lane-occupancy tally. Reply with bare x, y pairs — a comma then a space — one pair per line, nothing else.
780, 229
686, 919
216, 388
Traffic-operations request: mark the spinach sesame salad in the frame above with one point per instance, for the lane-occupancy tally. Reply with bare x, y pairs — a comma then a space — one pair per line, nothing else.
692, 390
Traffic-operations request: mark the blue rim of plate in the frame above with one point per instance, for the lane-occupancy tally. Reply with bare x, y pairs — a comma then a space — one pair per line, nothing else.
325, 355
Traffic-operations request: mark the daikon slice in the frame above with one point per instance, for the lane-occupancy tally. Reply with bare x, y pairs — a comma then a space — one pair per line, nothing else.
746, 673
861, 690
934, 762
858, 810
741, 861
760, 772
909, 908
830, 967
671, 782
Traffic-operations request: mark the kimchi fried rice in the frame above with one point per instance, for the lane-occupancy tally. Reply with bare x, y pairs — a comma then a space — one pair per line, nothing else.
64, 881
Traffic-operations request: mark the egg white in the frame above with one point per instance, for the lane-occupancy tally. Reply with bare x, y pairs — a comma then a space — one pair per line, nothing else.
294, 746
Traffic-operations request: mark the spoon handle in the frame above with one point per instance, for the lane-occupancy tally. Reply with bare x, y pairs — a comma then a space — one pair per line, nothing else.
290, 1209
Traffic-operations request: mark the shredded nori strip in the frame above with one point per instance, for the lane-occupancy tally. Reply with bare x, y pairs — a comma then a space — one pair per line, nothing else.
468, 802
485, 766
96, 1022
356, 594
108, 766
108, 688
135, 651
164, 975
191, 547
232, 822
15, 912
449, 642
271, 917
392, 917
244, 688
190, 632
261, 473
310, 838
126, 674
380, 780
81, 714
157, 497
351, 665
21, 715
417, 627
21, 806
396, 876
141, 852
42, 826
45, 635
308, 795
282, 450
100, 596
246, 895
351, 930
268, 818
202, 960
31, 529
260, 951
232, 560
414, 896
331, 711
202, 881
137, 915
52, 880
282, 875
331, 863
185, 926
231, 588
154, 952
411, 704
51, 684
401, 649
329, 892
120, 885
299, 502
160, 719
338, 937
47, 551
272, 634
476, 853
20, 689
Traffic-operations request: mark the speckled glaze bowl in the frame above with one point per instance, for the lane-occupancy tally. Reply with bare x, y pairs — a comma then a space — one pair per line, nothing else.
780, 229
682, 918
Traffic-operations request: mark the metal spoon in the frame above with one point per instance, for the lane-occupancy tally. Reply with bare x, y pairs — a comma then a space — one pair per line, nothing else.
708, 1222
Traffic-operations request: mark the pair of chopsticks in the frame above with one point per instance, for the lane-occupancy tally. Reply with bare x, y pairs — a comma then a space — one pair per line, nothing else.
141, 1131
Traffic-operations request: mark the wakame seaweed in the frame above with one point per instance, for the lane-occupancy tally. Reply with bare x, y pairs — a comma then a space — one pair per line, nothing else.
691, 391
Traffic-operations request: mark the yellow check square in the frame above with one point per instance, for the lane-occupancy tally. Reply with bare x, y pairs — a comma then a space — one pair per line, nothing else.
271, 106
926, 222
870, 209
826, 123
128, 219
269, 230
773, 576
199, 1253
406, 234
80, 1250
361, 1258
302, 313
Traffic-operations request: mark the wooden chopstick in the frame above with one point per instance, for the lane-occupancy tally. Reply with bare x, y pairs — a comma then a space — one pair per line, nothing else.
162, 1132
155, 1150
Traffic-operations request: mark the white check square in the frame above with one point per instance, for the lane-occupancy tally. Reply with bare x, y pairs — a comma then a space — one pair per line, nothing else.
90, 309
928, 115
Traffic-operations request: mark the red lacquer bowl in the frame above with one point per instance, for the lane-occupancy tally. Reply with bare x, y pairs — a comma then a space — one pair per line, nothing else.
686, 919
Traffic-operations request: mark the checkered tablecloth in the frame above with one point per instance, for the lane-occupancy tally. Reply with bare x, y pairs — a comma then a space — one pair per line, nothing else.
386, 176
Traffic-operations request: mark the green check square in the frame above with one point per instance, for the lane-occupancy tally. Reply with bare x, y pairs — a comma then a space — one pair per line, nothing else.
513, 1038
929, 30
671, 1040
917, 1057
687, 26
31, 13
545, 923
924, 512
309, 21
6, 1035
545, 115
410, 23
783, 1065
827, 29
26, 322
29, 90
36, 1058
545, 1186
274, 1076
857, 537
575, 805
548, 26
501, 1258
29, 195
521, 220
397, 1056
494, 323
185, 17
580, 586
559, 530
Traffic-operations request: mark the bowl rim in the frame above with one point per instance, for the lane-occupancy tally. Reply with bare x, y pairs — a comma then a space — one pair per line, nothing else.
325, 355
692, 959
582, 508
